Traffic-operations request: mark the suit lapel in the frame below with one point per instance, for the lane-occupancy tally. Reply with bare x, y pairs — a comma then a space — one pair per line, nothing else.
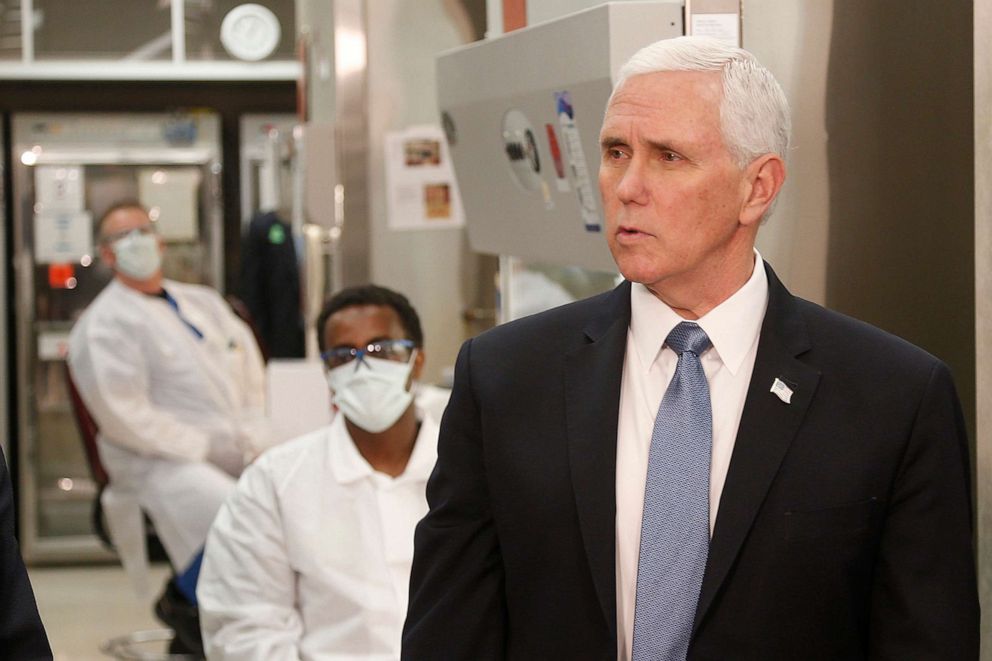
592, 405
766, 430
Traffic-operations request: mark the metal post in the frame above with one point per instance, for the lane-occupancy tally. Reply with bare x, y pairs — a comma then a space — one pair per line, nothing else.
178, 31
983, 310
27, 31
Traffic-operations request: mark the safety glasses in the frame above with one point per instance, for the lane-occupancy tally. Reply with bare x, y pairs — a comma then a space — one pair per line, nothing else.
399, 351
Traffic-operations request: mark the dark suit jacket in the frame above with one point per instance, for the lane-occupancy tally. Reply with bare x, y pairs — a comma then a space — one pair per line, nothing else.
270, 285
22, 635
843, 532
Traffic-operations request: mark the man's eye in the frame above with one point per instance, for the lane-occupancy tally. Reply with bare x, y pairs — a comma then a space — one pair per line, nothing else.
614, 154
670, 156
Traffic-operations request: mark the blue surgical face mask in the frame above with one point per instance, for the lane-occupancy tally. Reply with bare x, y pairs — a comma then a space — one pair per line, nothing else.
137, 255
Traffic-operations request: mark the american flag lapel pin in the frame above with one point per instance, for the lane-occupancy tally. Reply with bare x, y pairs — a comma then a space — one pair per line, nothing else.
782, 391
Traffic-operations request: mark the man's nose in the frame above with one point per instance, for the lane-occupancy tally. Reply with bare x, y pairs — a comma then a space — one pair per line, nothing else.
632, 188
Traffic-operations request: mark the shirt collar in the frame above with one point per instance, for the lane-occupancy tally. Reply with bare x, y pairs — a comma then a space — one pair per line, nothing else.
349, 466
732, 326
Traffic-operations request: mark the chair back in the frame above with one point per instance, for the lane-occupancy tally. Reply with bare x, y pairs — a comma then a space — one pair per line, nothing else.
87, 431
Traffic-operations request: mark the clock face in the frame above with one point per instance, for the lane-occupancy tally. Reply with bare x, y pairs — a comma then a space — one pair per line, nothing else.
250, 32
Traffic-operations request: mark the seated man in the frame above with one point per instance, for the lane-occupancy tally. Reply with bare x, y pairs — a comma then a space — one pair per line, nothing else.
175, 383
310, 558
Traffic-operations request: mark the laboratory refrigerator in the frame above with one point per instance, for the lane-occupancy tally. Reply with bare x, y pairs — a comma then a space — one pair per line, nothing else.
67, 169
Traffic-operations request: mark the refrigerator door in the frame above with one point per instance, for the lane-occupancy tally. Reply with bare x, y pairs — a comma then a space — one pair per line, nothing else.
68, 169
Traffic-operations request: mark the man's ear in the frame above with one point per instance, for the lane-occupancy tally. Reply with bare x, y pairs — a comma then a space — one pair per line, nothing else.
418, 365
107, 254
763, 178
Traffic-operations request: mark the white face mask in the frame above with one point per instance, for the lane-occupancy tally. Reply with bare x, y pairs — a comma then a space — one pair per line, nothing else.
371, 392
137, 255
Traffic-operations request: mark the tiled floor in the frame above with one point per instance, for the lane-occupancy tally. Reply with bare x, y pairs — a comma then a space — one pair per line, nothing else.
84, 606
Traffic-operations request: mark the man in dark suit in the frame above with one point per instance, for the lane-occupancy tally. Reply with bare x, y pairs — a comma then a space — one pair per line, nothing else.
22, 636
696, 465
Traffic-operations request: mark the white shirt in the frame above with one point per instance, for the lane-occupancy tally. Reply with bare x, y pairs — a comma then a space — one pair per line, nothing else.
311, 558
733, 328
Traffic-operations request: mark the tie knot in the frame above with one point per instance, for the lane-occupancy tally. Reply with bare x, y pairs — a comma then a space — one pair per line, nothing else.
688, 336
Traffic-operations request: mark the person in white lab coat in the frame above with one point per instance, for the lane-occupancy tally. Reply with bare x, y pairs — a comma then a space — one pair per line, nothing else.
174, 381
310, 558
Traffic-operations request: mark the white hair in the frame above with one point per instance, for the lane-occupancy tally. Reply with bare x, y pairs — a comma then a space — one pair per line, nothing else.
754, 113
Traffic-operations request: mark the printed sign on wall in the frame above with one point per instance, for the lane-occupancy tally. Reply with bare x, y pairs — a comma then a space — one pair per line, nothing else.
421, 188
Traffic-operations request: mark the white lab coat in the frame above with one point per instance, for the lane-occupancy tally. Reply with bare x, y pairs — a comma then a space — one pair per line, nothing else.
310, 558
177, 414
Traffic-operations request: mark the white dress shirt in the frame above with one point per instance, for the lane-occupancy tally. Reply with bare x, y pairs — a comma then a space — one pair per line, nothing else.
310, 559
733, 328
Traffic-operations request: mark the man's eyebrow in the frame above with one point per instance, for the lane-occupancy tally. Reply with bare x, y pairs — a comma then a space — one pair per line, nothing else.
656, 145
608, 142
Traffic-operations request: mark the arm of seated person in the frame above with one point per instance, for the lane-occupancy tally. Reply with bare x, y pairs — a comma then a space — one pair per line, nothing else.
247, 588
113, 379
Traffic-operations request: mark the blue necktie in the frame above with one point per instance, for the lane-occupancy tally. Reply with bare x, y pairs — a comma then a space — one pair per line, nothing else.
174, 304
675, 532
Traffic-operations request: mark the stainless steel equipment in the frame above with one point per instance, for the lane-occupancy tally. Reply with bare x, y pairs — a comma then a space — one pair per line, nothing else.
267, 164
536, 128
68, 169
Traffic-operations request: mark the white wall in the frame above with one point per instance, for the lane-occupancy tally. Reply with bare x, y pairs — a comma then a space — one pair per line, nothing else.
429, 266
539, 11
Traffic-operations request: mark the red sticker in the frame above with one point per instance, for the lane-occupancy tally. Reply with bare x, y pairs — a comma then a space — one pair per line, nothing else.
555, 151
62, 276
